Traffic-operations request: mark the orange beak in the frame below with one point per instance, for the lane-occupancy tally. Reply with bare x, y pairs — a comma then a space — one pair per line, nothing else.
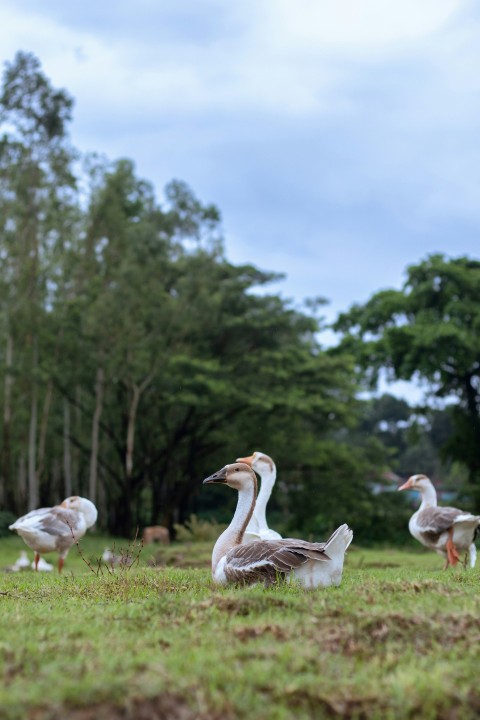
407, 485
248, 460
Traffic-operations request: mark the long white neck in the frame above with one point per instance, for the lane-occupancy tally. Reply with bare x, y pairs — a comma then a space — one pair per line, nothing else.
233, 535
429, 497
259, 514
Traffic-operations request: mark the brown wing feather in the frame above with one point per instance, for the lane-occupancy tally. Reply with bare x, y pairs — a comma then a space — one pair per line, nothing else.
59, 521
436, 520
264, 560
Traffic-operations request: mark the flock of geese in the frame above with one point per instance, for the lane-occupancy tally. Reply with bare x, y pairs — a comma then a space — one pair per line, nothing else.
248, 551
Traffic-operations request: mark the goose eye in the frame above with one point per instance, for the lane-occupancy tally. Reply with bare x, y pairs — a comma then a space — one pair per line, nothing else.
236, 469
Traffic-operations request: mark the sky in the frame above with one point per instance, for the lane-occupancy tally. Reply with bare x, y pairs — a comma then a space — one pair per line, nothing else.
339, 138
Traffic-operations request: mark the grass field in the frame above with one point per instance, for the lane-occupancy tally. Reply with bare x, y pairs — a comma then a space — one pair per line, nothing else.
398, 639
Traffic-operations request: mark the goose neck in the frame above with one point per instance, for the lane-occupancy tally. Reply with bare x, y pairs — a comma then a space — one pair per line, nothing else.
233, 535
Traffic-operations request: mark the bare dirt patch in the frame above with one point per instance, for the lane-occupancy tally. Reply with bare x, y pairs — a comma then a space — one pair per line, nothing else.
256, 631
167, 706
241, 605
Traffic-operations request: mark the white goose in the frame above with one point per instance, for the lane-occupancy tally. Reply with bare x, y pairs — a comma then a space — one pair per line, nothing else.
312, 564
56, 529
257, 528
446, 530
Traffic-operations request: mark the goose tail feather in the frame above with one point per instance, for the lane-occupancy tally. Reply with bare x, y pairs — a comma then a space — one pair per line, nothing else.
338, 542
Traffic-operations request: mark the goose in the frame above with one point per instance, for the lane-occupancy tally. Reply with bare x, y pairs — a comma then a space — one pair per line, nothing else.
56, 528
446, 530
22, 563
311, 564
42, 565
257, 528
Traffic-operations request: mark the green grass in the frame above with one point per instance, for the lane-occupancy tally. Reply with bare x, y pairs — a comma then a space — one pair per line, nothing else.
398, 639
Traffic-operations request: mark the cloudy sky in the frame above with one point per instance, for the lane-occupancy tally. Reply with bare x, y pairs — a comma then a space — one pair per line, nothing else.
339, 138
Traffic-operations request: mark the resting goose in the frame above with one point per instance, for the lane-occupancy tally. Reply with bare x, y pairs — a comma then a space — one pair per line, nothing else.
446, 530
22, 563
312, 564
257, 528
42, 565
56, 529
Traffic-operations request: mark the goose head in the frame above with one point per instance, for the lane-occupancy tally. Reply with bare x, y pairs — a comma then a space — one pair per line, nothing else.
261, 463
82, 505
238, 475
417, 482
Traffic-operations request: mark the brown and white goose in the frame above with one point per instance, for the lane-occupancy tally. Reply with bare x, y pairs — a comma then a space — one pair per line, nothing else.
257, 528
446, 530
311, 564
57, 528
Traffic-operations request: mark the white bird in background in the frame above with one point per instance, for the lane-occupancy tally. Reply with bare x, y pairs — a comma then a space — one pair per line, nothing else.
257, 528
311, 564
446, 530
21, 563
56, 529
42, 565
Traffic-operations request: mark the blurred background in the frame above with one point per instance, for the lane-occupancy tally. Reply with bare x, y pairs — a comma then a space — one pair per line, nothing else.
236, 227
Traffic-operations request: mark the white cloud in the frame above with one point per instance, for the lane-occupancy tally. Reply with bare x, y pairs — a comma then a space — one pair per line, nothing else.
282, 56
353, 25
337, 136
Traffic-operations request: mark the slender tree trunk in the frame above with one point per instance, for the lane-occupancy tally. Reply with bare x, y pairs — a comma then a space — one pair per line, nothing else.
75, 449
43, 431
56, 489
22, 483
137, 391
92, 484
473, 462
5, 470
67, 463
33, 493
132, 415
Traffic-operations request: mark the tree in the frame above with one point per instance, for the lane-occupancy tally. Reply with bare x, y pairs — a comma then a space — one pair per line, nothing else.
430, 329
36, 191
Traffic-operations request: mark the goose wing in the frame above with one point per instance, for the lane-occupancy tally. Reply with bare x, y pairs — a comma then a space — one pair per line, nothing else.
434, 521
56, 521
61, 521
263, 560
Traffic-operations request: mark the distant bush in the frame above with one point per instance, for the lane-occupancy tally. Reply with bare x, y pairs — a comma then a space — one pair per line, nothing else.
197, 530
6, 519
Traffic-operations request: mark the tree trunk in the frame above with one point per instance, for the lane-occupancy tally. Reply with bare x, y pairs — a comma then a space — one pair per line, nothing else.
67, 463
92, 484
76, 459
22, 483
6, 486
137, 391
43, 431
473, 461
33, 494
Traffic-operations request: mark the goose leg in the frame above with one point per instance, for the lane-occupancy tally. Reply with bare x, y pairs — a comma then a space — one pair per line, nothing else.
452, 552
60, 564
473, 555
37, 558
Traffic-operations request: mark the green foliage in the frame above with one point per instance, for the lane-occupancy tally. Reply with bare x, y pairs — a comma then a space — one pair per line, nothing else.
429, 329
6, 519
198, 530
128, 324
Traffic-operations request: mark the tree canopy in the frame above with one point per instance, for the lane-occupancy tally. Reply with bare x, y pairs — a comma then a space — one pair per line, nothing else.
429, 329
134, 356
